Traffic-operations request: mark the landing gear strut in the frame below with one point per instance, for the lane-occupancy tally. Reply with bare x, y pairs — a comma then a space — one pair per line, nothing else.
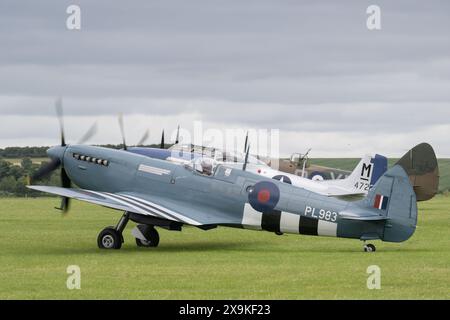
111, 237
146, 236
369, 248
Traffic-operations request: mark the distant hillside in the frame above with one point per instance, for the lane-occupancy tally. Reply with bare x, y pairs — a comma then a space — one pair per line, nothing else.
349, 164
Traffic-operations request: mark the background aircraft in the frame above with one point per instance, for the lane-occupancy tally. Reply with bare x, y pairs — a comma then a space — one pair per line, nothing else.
298, 164
420, 164
365, 175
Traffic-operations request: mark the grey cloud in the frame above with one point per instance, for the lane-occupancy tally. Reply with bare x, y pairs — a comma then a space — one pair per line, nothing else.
293, 65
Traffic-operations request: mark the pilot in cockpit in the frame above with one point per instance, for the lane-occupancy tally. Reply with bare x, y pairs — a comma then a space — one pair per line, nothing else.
204, 166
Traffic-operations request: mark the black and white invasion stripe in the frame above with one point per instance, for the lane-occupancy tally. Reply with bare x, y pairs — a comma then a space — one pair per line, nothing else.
284, 222
146, 207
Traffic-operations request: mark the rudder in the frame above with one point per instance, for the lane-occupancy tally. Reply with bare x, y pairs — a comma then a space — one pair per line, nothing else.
394, 196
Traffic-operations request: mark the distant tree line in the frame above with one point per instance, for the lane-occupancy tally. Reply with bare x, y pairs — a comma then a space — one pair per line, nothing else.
23, 152
14, 178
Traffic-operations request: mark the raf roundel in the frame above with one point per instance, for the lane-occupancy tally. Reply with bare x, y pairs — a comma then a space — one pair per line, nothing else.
317, 176
264, 196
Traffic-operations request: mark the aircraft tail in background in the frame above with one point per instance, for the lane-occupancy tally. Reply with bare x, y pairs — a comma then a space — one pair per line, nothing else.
364, 176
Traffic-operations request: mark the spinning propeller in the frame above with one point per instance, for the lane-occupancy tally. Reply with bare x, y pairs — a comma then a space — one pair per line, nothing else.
145, 136
305, 156
162, 146
141, 142
56, 155
246, 142
122, 131
247, 152
177, 139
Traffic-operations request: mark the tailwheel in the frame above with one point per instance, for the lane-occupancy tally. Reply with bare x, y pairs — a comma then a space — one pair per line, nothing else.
109, 238
369, 248
146, 236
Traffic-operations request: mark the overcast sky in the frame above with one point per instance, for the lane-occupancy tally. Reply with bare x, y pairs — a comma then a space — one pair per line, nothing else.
312, 70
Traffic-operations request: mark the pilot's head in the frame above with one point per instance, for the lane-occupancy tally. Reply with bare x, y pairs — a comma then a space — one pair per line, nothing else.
207, 167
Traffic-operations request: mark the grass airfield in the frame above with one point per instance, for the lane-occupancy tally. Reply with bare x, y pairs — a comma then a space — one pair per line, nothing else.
37, 245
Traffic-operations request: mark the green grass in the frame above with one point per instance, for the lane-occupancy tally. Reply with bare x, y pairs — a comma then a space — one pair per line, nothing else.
350, 163
37, 245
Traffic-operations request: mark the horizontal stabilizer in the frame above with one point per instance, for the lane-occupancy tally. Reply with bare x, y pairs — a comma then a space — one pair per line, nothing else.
365, 217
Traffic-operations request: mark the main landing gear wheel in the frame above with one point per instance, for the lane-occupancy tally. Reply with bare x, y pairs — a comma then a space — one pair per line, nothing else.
369, 248
109, 238
151, 235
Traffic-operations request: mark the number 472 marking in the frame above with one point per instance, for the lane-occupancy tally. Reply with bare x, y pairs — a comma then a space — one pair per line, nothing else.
362, 186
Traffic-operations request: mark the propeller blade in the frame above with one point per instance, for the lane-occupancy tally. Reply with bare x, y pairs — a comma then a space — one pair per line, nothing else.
244, 167
65, 180
122, 131
65, 205
305, 155
246, 142
60, 115
177, 140
144, 138
66, 183
46, 170
89, 134
162, 140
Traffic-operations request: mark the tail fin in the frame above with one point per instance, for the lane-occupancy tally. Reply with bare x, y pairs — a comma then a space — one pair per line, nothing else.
394, 196
365, 175
421, 165
368, 171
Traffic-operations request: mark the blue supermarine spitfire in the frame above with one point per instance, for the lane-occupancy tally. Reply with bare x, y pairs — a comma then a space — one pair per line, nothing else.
204, 194
207, 194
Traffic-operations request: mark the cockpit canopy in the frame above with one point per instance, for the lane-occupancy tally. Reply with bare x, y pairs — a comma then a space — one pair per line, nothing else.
205, 166
216, 154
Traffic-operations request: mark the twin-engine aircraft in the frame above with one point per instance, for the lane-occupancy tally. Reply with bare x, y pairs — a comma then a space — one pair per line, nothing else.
207, 194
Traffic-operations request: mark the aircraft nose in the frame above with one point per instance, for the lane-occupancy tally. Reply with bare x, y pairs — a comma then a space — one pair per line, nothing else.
56, 152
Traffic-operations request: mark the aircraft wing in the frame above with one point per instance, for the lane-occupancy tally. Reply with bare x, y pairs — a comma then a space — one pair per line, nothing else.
143, 204
329, 188
194, 214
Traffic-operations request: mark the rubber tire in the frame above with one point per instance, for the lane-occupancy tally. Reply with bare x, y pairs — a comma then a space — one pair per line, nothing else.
114, 235
152, 235
370, 248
